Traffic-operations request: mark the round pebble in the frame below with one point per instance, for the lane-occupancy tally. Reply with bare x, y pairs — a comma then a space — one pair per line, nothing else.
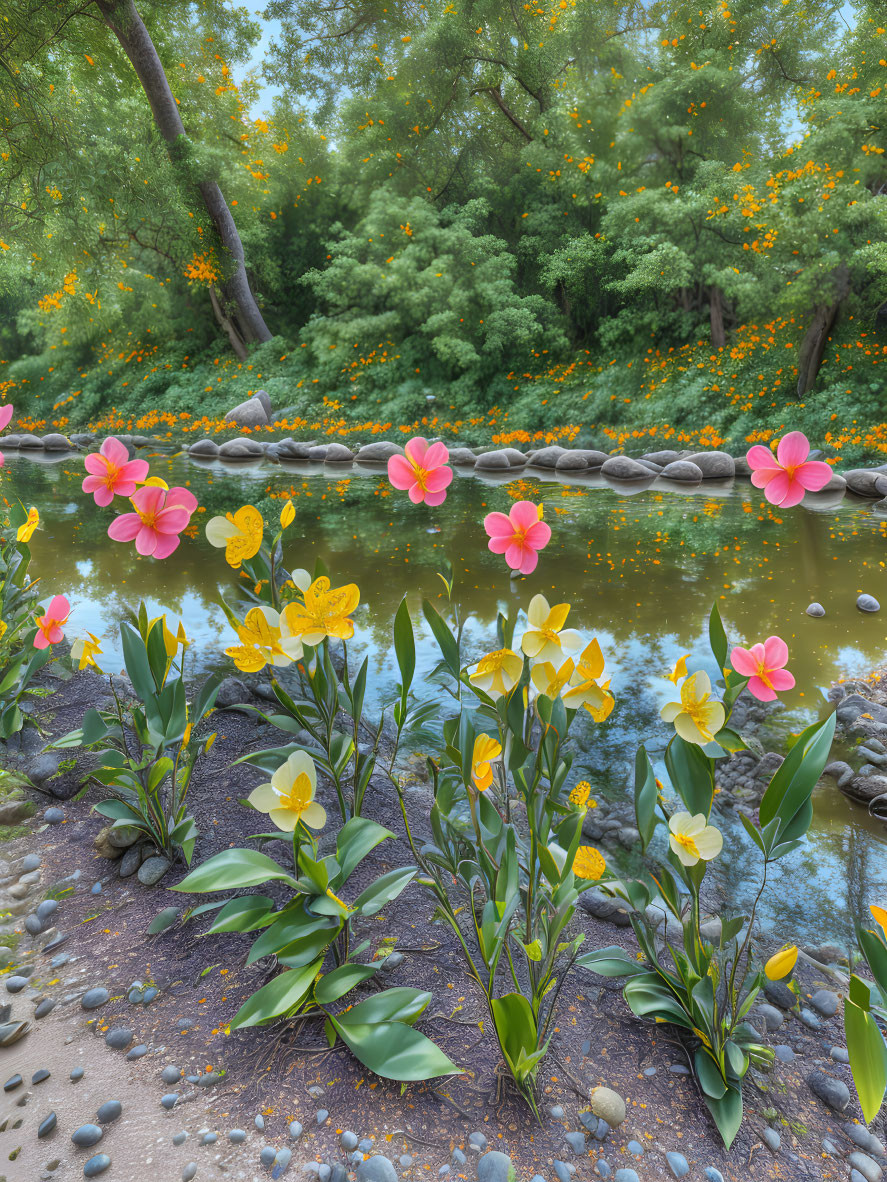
348, 1140
47, 908
86, 1135
267, 1156
119, 1038
93, 998
576, 1141
237, 1136
39, 1076
259, 1122
282, 1160
180, 1138
169, 1100
47, 1125
76, 1074
295, 1130
816, 610
626, 1175
635, 1148
322, 1116
678, 1164
13, 1082
109, 1111
137, 1052
868, 603
15, 984
209, 1138
46, 1007
189, 1171
96, 1165
170, 1075
713, 1175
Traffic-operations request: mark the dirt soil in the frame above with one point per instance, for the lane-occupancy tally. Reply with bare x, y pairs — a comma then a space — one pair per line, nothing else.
269, 1071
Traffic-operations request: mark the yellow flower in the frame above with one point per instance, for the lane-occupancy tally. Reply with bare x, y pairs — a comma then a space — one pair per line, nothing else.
289, 798
781, 963
691, 839
2, 629
25, 531
546, 639
265, 639
585, 688
287, 515
486, 749
697, 717
240, 535
550, 681
84, 650
171, 640
580, 794
497, 673
588, 863
680, 669
878, 913
325, 612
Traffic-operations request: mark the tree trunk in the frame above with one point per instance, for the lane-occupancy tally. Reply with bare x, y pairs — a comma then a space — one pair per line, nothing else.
716, 313
816, 337
122, 18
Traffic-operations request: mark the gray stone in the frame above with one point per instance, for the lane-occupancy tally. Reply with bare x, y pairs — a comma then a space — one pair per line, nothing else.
784, 1053
241, 449
209, 1138
251, 413
825, 1002
47, 1125
378, 452
15, 984
317, 453
581, 460
232, 692
810, 1020
189, 1171
180, 1138
379, 1169
866, 1165
14, 1081
713, 1175
93, 998
137, 1052
86, 1135
678, 1164
43, 767
259, 1122
109, 1111
207, 448
563, 1170
608, 1105
40, 1075
683, 472
462, 457
57, 442
772, 1017
124, 836
54, 816
28, 864
322, 1116
28, 442
338, 453
348, 1140
780, 994
866, 482
33, 925
598, 905
152, 870
130, 862
831, 1091
265, 399
576, 1142
492, 461
771, 1139
547, 457
864, 1138
715, 465
77, 1074
477, 1141
170, 1074
295, 1130
96, 1165
46, 1007
816, 610
624, 468
496, 1167
626, 1174
842, 773
635, 1148
169, 1100
119, 1037
601, 1168
868, 603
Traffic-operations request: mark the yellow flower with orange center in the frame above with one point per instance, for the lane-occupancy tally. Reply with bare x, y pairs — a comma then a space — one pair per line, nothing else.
325, 613
486, 749
497, 673
240, 534
289, 798
25, 531
589, 863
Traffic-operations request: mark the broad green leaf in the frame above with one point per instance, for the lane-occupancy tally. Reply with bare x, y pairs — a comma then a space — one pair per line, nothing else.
392, 1005
717, 637
787, 798
868, 1058
242, 915
354, 841
404, 644
340, 981
384, 889
232, 869
281, 995
710, 1079
394, 1050
727, 1113
162, 920
645, 796
446, 641
610, 962
690, 772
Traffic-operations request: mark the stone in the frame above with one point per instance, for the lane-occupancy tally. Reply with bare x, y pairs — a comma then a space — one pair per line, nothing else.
29, 863
46, 1007
267, 1156
866, 482
624, 468
831, 1091
784, 1053
780, 994
102, 844
678, 1164
683, 472
93, 998
378, 452
581, 460
816, 610
295, 1130
282, 1160
13, 811
515, 457
169, 1100
241, 449
598, 905
771, 1139
713, 1175
152, 870
866, 1165
130, 862
317, 453
715, 465
462, 457
207, 448
124, 836
576, 1142
54, 816
338, 453
825, 1002
322, 1116
251, 413
492, 461
209, 1138
14, 1081
650, 466
265, 399
663, 458
259, 1122
54, 441
810, 1020
180, 1138
96, 1165
477, 1141
842, 773
232, 692
608, 1105
635, 1148
47, 1125
77, 1074
496, 1167
40, 1075
109, 1112
28, 442
33, 925
15, 984
547, 457
868, 603
189, 1171
772, 1017
626, 1174
170, 1074
44, 767
137, 1052
348, 1140
86, 1136
237, 1136
119, 1038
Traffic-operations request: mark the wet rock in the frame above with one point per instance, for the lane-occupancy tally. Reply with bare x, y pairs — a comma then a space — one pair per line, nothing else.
492, 461
547, 457
608, 1105
378, 452
816, 610
624, 468
581, 460
338, 453
93, 998
292, 449
251, 413
853, 705
842, 773
152, 870
868, 603
207, 448
663, 458
47, 1125
96, 1165
715, 465
27, 442
86, 1136
109, 1112
241, 449
866, 1166
683, 472
831, 1091
462, 457
866, 482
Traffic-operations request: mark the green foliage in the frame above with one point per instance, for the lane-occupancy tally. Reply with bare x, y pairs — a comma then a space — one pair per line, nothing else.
19, 659
148, 751
865, 1016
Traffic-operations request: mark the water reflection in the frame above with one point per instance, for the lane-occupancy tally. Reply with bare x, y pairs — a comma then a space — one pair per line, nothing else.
640, 567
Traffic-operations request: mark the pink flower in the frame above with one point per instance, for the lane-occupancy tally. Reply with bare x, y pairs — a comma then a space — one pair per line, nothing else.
422, 471
764, 666
786, 476
160, 516
5, 416
113, 472
518, 535
49, 627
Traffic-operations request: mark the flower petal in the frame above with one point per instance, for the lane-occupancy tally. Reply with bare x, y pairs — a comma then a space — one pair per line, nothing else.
793, 449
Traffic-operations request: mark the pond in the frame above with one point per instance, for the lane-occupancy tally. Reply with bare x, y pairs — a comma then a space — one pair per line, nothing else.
640, 570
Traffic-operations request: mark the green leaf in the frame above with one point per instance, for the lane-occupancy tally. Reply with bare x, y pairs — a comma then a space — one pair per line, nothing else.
868, 1058
394, 1050
135, 658
162, 920
242, 915
281, 995
354, 841
717, 637
232, 869
392, 1005
384, 889
405, 646
342, 980
690, 772
787, 799
446, 641
645, 796
610, 962
707, 1073
875, 952
727, 1113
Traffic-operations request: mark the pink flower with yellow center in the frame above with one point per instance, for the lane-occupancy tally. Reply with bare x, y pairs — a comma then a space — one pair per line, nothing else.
786, 476
160, 516
422, 471
112, 473
5, 416
764, 666
519, 535
50, 626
